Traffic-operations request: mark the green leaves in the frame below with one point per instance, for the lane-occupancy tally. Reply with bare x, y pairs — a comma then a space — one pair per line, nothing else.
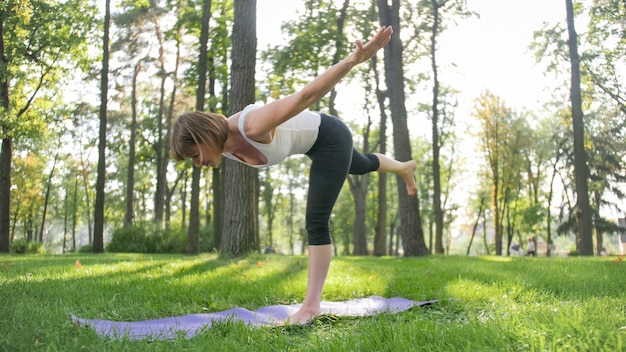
45, 41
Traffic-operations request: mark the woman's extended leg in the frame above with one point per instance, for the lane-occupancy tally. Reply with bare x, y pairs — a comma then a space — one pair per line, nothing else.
405, 169
368, 162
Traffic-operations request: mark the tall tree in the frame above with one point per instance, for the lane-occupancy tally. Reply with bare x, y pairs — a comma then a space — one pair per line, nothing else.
6, 151
39, 42
494, 117
98, 226
435, 23
358, 187
241, 181
167, 190
193, 242
161, 142
438, 211
380, 236
410, 218
581, 169
47, 197
130, 177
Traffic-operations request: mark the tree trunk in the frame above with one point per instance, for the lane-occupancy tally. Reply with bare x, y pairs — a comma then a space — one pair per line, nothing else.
341, 19
358, 186
410, 222
218, 184
438, 211
47, 198
66, 214
581, 170
218, 208
241, 181
480, 212
381, 221
549, 213
74, 213
193, 243
183, 200
5, 192
168, 130
6, 154
130, 176
159, 145
87, 197
269, 201
98, 234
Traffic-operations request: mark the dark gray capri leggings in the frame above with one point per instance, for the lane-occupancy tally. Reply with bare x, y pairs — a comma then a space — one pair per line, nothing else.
333, 157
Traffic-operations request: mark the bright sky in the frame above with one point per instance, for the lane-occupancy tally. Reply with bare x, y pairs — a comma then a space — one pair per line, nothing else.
490, 52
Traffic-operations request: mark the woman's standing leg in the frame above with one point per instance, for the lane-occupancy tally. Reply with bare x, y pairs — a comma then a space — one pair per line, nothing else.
318, 264
331, 157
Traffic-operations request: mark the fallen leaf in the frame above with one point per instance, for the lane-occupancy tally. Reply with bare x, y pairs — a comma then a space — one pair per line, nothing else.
373, 277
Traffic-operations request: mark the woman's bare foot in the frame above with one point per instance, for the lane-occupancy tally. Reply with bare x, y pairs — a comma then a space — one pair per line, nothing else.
408, 175
404, 169
302, 316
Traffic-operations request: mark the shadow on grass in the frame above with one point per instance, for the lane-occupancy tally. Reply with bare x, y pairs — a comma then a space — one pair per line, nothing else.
423, 278
138, 287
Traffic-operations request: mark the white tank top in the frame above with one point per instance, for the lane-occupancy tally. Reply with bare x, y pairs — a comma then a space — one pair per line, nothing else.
294, 136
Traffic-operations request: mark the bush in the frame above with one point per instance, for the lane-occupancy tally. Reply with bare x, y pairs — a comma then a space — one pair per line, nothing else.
146, 239
23, 246
206, 239
171, 241
129, 239
19, 246
86, 249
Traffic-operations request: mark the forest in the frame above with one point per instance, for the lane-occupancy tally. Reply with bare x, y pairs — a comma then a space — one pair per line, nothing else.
89, 91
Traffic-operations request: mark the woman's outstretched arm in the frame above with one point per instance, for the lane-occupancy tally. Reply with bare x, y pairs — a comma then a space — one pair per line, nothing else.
260, 122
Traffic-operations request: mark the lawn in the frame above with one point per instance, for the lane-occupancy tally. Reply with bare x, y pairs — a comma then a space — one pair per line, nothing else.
485, 303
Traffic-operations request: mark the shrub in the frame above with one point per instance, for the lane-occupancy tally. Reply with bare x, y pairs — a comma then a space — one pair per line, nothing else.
171, 241
574, 253
147, 239
206, 239
19, 246
86, 249
36, 248
130, 239
23, 246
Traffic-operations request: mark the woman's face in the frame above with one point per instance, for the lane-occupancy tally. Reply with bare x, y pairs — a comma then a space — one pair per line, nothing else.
202, 155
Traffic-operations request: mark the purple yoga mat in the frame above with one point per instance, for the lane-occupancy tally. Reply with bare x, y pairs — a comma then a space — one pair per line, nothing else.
190, 325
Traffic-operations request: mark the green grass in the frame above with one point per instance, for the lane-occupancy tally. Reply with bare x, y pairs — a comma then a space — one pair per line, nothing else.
486, 303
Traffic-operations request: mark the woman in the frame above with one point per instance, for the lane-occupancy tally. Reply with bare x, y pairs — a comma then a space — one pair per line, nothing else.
261, 136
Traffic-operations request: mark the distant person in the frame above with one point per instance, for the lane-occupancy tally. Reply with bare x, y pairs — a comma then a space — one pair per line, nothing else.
603, 252
261, 136
530, 248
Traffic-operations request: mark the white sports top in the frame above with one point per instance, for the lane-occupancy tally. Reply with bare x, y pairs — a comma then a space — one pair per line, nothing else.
294, 136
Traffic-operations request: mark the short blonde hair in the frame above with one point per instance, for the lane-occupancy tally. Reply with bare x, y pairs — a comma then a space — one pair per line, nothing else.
198, 128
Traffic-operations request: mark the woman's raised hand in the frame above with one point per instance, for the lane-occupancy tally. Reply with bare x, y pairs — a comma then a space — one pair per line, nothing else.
364, 52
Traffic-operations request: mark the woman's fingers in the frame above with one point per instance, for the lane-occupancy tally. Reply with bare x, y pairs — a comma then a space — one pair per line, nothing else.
365, 51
